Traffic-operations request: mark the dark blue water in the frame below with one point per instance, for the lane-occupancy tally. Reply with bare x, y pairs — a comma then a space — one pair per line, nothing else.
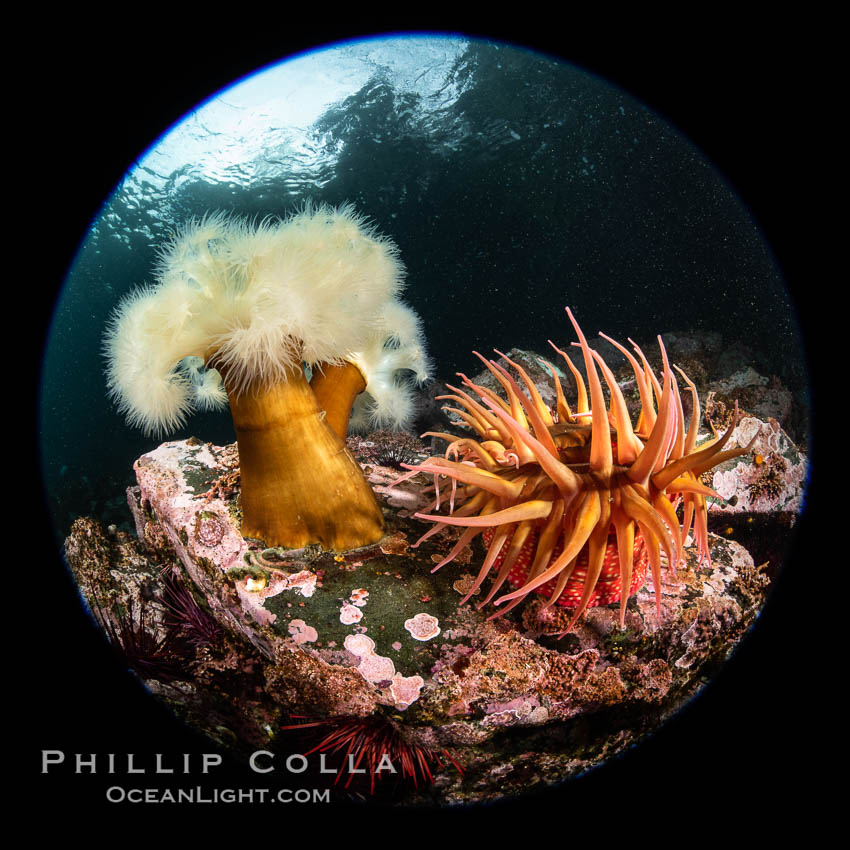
538, 186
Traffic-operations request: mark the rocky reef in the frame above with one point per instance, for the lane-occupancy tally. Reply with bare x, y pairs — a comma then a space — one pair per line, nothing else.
368, 652
247, 643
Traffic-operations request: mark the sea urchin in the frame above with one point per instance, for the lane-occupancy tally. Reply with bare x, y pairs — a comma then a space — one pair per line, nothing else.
375, 745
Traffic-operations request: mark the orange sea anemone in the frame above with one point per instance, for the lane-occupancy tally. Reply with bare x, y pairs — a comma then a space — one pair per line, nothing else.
575, 503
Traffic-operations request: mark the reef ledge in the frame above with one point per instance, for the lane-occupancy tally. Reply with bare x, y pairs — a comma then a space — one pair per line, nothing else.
238, 639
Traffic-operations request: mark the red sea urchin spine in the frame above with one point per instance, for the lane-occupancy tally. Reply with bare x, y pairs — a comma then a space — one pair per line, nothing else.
374, 743
566, 510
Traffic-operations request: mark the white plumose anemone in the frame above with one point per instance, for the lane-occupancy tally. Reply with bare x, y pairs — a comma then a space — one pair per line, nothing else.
258, 299
237, 312
392, 364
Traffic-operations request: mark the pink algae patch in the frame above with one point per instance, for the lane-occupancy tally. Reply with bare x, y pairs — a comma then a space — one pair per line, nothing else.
464, 583
423, 626
359, 597
405, 690
374, 668
380, 671
349, 614
463, 557
305, 581
302, 633
254, 592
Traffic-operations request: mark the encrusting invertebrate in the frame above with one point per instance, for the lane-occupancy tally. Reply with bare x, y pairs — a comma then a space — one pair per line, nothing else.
237, 313
577, 504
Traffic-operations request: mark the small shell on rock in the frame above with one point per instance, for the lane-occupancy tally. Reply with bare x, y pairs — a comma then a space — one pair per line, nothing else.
209, 529
395, 545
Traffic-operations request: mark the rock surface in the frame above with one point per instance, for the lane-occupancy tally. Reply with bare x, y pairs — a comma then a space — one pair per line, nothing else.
239, 639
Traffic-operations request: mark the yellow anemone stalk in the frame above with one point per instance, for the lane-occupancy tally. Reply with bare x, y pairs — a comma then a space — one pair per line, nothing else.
237, 314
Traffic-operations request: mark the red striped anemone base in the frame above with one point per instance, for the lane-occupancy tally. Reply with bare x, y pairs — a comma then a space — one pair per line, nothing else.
607, 589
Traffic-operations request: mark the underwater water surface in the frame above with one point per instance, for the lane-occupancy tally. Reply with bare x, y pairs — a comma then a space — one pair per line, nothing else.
512, 183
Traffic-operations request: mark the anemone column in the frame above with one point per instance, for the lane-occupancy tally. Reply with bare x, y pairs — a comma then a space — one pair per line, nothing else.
300, 484
254, 304
335, 388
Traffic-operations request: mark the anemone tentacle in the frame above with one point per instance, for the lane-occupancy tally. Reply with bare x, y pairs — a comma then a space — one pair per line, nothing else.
575, 503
